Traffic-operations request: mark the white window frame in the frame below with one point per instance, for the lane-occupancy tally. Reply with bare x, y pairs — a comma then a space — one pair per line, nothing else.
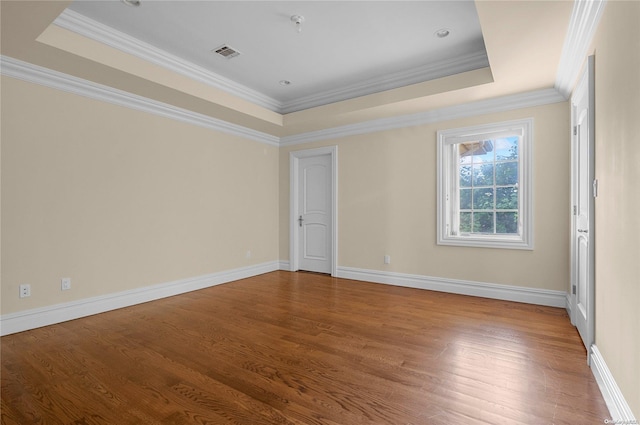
448, 185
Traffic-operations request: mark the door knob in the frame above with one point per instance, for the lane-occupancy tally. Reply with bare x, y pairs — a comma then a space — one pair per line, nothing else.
583, 231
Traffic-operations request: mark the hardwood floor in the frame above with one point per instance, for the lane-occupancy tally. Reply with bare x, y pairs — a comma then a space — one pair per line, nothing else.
300, 348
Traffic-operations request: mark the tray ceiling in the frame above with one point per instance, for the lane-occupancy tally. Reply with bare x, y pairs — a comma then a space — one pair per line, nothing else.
345, 49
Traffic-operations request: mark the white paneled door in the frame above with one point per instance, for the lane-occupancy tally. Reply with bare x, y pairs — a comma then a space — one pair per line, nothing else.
314, 213
584, 191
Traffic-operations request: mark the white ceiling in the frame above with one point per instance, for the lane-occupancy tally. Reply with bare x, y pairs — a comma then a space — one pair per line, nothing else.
346, 49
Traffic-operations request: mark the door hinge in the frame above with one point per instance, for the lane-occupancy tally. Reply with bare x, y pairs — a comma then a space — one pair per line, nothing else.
595, 188
575, 130
575, 210
573, 289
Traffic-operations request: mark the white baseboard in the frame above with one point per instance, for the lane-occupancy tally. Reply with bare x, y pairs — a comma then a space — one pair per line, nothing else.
465, 287
569, 307
285, 265
35, 318
617, 405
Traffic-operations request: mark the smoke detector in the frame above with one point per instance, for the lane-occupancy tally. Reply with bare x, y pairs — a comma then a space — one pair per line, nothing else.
298, 21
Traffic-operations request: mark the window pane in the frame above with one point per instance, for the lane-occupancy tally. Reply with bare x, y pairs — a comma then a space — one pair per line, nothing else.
483, 152
507, 222
465, 199
483, 199
465, 159
507, 198
465, 150
506, 148
483, 222
465, 222
483, 185
483, 174
465, 176
506, 173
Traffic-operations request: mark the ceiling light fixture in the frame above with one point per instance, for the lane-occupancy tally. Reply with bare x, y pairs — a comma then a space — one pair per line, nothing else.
298, 20
132, 3
442, 33
285, 82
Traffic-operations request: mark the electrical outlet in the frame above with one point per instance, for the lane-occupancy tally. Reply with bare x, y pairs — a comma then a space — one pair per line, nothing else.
65, 284
25, 290
387, 259
248, 255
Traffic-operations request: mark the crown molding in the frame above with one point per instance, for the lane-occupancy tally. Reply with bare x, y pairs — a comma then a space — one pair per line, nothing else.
583, 23
391, 81
87, 27
582, 28
36, 74
498, 104
80, 24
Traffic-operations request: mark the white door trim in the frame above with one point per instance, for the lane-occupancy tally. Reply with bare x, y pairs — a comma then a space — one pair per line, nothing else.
294, 158
587, 81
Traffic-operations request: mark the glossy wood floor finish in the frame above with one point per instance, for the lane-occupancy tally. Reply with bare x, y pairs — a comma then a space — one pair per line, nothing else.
301, 348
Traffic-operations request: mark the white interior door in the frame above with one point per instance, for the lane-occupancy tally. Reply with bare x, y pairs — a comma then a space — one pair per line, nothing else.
584, 191
314, 213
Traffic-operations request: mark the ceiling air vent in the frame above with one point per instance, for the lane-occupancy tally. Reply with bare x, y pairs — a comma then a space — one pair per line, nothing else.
226, 51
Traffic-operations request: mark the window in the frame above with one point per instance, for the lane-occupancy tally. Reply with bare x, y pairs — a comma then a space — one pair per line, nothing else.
484, 186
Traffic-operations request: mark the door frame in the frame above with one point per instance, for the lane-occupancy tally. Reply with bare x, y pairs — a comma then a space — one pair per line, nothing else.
294, 160
587, 79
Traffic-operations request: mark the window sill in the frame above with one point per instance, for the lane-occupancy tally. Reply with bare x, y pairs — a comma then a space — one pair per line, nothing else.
480, 242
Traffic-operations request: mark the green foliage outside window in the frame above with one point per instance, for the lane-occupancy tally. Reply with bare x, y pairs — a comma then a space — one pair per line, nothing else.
488, 191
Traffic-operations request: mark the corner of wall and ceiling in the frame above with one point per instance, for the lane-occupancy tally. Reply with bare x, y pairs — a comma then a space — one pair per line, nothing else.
583, 23
43, 76
390, 81
582, 26
80, 24
87, 27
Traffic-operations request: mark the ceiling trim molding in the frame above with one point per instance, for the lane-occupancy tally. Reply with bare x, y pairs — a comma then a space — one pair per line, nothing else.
481, 107
395, 80
46, 77
80, 24
583, 24
87, 27
38, 75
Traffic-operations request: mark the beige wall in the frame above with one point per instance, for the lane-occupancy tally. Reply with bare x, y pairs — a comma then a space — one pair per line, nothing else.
617, 52
118, 199
387, 205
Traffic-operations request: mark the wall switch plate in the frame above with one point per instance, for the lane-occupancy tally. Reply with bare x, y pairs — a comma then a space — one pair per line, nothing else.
65, 284
25, 290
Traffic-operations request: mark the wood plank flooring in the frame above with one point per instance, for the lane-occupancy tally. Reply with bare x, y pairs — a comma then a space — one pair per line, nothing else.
301, 348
